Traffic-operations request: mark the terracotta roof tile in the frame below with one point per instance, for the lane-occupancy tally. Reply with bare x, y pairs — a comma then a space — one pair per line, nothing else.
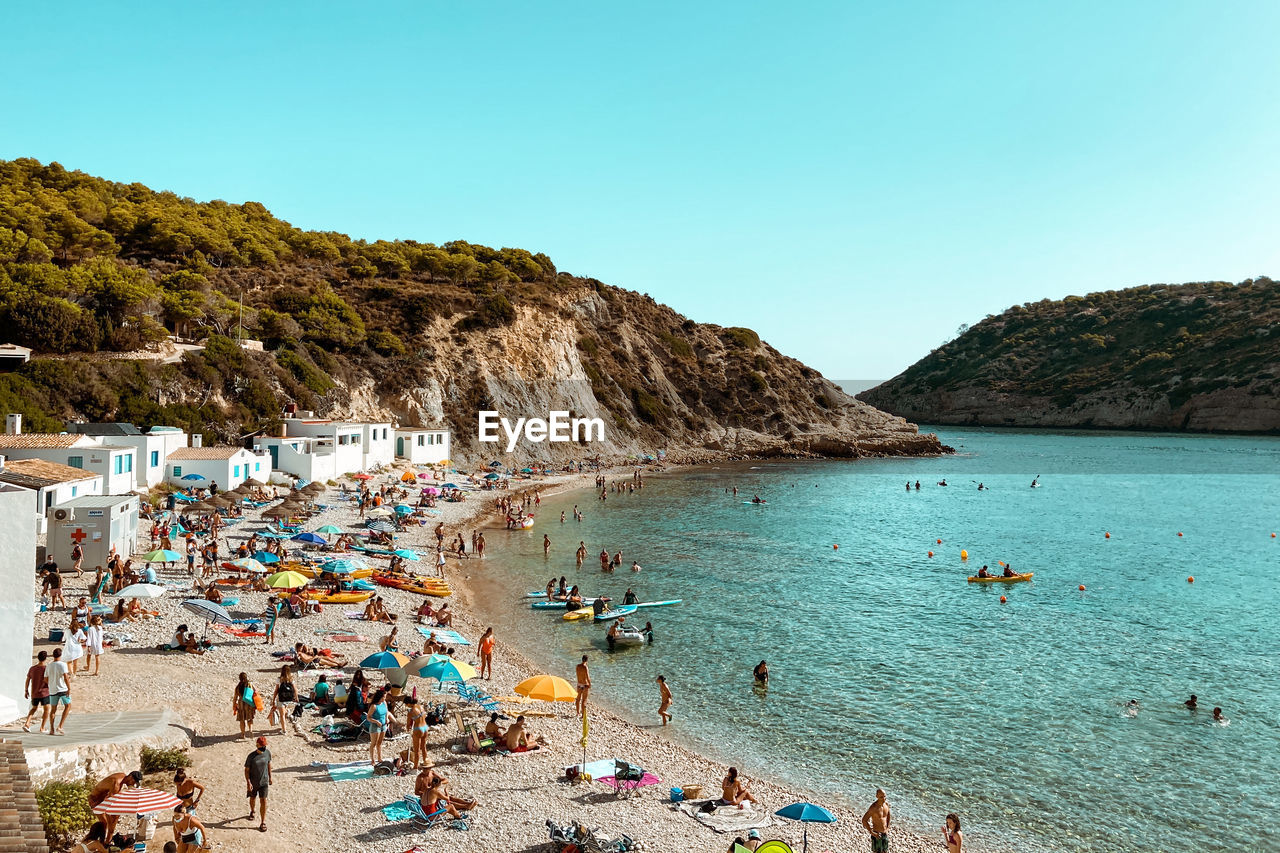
35, 440
183, 453
38, 473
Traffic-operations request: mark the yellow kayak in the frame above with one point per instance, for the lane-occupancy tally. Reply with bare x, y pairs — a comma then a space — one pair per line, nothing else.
334, 597
994, 579
583, 613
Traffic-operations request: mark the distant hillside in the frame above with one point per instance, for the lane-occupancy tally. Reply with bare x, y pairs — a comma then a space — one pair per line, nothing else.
93, 274
1202, 357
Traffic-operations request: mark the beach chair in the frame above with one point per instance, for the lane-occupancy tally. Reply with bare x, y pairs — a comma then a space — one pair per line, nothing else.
627, 778
439, 817
468, 732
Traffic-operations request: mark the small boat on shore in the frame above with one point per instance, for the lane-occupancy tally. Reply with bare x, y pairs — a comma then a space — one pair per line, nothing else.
629, 637
615, 613
1000, 579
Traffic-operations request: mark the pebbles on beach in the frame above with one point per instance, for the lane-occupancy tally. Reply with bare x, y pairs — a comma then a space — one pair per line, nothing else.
517, 794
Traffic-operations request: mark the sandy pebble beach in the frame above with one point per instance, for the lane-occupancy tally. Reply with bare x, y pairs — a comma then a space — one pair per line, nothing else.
516, 793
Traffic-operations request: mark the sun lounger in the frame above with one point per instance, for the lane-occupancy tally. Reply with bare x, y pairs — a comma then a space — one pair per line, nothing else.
439, 817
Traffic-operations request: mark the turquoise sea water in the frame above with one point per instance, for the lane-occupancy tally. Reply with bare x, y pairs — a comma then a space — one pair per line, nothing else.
890, 669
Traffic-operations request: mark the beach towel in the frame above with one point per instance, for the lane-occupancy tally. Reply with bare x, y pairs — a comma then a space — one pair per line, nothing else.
351, 771
595, 769
316, 673
349, 638
353, 614
444, 635
727, 818
396, 812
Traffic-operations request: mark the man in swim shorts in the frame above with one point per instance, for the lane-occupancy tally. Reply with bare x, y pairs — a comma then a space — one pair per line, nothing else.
876, 822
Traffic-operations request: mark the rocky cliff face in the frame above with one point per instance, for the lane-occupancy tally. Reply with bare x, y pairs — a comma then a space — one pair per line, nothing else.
1201, 357
657, 380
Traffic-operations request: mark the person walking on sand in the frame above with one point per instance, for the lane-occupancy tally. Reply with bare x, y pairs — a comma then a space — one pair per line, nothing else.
440, 561
244, 702
257, 778
665, 693
55, 675
93, 644
584, 687
876, 822
36, 688
487, 643
480, 546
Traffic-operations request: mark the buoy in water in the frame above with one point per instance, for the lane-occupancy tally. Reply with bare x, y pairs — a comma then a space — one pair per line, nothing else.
1107, 535
1273, 536
1082, 587
964, 555
939, 541
930, 553
1179, 532
1003, 599
835, 547
1191, 580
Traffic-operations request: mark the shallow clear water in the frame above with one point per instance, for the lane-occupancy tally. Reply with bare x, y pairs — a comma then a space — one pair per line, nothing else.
890, 669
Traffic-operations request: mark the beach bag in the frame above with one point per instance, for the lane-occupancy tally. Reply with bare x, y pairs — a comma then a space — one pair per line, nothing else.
287, 692
146, 828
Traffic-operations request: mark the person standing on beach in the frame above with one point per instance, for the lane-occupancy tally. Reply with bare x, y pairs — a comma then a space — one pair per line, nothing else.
876, 821
93, 644
951, 834
665, 693
257, 778
584, 687
480, 545
36, 688
487, 643
440, 561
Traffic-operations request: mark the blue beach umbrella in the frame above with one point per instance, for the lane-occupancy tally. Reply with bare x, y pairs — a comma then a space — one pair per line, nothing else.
341, 565
406, 554
403, 509
309, 537
193, 477
384, 660
265, 557
492, 476
449, 486
806, 813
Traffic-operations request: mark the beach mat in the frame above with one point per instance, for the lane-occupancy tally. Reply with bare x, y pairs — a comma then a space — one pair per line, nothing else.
396, 812
444, 635
596, 769
348, 638
350, 771
727, 818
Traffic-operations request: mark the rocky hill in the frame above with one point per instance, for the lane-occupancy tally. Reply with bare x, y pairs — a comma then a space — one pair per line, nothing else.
1202, 357
93, 274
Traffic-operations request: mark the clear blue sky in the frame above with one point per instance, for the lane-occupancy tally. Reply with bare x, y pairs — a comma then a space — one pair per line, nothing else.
852, 180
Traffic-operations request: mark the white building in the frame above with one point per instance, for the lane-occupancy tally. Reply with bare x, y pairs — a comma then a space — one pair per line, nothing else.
379, 445
422, 446
114, 463
149, 450
101, 525
53, 483
17, 622
344, 440
308, 458
226, 466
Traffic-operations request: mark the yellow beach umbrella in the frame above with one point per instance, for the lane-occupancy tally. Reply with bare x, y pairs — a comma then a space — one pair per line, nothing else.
548, 688
287, 580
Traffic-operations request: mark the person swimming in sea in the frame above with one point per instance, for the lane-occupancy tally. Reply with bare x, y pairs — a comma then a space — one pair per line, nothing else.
1191, 703
1219, 719
1132, 708
917, 485
757, 500
761, 673
942, 482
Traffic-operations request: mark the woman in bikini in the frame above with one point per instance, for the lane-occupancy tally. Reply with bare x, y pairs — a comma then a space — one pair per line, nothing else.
734, 790
416, 723
188, 790
95, 841
951, 834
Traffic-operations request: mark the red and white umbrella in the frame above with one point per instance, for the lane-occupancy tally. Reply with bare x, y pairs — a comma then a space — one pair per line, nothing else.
137, 801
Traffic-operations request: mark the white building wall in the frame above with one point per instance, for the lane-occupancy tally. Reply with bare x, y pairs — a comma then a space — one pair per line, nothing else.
17, 606
150, 452
51, 496
93, 459
379, 445
227, 473
424, 446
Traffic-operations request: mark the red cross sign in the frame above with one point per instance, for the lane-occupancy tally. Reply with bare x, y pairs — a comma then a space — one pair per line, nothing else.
79, 536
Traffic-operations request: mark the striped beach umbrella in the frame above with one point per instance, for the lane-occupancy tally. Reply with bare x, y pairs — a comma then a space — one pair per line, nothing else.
381, 526
248, 564
136, 801
208, 611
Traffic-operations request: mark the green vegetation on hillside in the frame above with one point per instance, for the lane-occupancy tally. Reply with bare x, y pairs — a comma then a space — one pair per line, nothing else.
1172, 340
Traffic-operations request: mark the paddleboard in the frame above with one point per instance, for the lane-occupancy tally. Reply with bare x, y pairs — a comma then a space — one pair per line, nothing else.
557, 605
584, 613
756, 503
659, 603
616, 613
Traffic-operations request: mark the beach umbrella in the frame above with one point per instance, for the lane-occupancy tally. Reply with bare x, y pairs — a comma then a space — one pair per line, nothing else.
407, 554
404, 509
421, 662
407, 477
198, 506
141, 590
431, 490
548, 688
329, 528
424, 476
361, 477
492, 476
209, 612
248, 564
136, 801
381, 526
161, 556
287, 580
495, 464
448, 485
341, 566
265, 557
378, 512
276, 512
526, 470
384, 660
193, 477
806, 813
309, 537
254, 482
448, 670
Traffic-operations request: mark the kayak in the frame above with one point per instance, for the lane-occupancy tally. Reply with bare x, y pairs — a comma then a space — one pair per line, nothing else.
667, 603
422, 586
581, 613
1014, 579
615, 613
333, 597
314, 571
